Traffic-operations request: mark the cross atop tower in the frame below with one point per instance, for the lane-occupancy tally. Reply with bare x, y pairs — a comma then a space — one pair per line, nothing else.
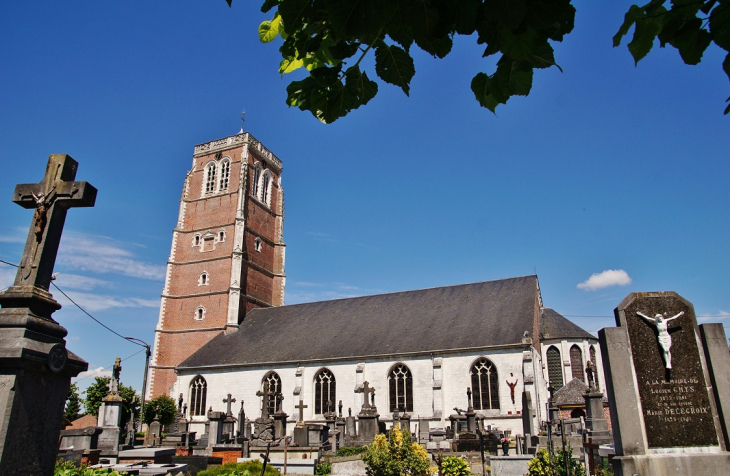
243, 119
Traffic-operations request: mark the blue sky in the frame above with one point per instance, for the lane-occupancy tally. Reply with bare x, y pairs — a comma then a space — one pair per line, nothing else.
605, 166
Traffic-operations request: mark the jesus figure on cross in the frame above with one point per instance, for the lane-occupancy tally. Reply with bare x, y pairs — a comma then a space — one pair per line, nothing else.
665, 340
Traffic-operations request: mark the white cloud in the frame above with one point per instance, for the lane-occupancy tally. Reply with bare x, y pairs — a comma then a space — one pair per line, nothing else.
100, 302
104, 255
610, 277
97, 372
84, 283
719, 316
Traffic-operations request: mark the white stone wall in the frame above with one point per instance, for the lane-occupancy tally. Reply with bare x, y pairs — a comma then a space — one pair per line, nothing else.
432, 399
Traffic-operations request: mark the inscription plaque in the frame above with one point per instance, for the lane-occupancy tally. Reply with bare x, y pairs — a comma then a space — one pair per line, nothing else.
675, 401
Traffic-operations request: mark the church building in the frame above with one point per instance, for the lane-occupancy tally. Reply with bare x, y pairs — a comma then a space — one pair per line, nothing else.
224, 329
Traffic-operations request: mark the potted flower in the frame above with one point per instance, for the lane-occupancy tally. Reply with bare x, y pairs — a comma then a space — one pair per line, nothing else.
505, 446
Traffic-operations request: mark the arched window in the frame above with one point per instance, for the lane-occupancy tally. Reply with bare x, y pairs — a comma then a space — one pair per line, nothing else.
576, 363
266, 188
485, 385
255, 180
400, 385
210, 170
203, 280
196, 240
270, 400
592, 353
555, 368
198, 393
577, 413
224, 174
324, 391
200, 313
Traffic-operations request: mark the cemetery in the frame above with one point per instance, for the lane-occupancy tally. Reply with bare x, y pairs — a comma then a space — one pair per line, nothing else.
654, 401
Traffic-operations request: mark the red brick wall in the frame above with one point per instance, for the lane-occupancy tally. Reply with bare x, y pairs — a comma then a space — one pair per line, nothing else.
211, 214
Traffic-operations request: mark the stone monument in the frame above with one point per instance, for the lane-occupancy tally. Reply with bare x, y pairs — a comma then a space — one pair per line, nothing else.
36, 366
110, 415
668, 383
367, 426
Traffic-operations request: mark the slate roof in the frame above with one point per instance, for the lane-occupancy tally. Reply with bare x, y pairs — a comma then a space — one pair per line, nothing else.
571, 394
555, 326
477, 315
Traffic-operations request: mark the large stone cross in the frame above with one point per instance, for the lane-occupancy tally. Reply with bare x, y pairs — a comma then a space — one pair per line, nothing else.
51, 198
366, 390
301, 408
228, 402
266, 394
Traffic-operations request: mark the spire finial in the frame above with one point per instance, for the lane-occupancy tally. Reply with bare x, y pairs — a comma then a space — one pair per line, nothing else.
243, 119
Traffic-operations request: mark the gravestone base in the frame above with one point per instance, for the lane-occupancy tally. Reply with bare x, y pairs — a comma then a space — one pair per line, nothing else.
32, 395
676, 464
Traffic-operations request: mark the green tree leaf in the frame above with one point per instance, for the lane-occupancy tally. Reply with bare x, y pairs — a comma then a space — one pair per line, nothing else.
268, 5
268, 30
290, 64
630, 18
163, 407
692, 41
509, 13
645, 32
394, 66
720, 26
360, 87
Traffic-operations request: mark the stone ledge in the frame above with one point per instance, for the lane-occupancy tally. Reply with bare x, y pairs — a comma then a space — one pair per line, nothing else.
673, 464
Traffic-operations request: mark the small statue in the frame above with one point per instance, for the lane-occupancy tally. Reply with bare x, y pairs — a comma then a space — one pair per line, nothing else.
512, 389
590, 374
665, 340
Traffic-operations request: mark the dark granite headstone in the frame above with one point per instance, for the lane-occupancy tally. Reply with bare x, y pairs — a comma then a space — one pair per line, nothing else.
674, 401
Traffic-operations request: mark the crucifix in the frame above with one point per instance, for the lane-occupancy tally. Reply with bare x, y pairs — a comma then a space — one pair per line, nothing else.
301, 408
51, 198
267, 394
468, 398
228, 402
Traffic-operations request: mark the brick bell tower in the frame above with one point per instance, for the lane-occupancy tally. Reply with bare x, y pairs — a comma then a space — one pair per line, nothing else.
227, 254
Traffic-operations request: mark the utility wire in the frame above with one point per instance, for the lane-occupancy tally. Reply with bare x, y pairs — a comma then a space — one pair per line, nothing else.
107, 368
85, 312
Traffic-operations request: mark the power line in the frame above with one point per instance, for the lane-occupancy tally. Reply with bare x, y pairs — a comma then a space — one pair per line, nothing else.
84, 311
107, 368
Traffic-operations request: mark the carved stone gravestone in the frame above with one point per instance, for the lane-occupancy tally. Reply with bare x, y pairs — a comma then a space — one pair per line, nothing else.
36, 367
666, 416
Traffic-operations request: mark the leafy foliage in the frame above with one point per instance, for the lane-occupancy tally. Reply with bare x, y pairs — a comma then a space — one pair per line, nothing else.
323, 469
351, 450
690, 26
545, 464
249, 468
100, 389
163, 406
453, 466
67, 468
330, 38
73, 403
396, 455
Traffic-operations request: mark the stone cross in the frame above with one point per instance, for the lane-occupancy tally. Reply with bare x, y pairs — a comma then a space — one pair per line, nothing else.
228, 402
51, 198
267, 394
365, 390
301, 408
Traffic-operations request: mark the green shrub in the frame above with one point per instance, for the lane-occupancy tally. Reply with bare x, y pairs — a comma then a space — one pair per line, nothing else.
351, 450
67, 468
323, 468
249, 468
545, 464
454, 466
396, 455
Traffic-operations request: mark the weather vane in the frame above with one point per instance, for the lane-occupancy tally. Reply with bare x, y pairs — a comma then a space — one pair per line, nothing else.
243, 119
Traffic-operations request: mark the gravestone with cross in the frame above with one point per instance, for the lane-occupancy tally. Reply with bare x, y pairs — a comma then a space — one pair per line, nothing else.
367, 419
36, 367
668, 387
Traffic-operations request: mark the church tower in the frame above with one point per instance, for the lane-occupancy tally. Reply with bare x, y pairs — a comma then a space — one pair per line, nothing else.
227, 254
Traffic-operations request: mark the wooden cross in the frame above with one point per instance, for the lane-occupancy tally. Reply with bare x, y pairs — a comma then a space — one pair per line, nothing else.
301, 408
228, 402
51, 198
